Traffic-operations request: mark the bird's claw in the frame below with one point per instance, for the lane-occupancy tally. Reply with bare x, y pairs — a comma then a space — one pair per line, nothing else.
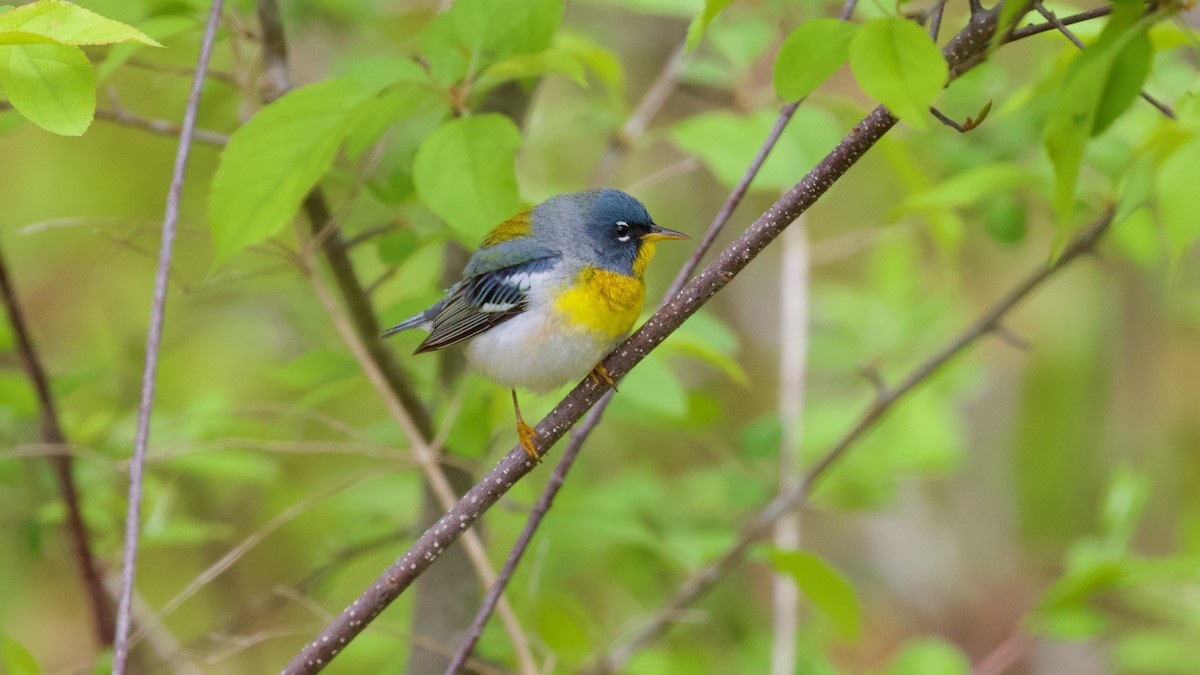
599, 374
527, 434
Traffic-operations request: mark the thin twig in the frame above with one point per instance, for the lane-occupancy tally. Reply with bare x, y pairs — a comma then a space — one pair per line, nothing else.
935, 19
154, 341
536, 515
246, 545
99, 601
652, 101
1062, 28
1034, 29
121, 116
370, 233
699, 585
948, 121
219, 76
960, 53
1005, 655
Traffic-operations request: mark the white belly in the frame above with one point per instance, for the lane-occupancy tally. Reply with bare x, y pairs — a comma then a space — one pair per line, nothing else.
533, 350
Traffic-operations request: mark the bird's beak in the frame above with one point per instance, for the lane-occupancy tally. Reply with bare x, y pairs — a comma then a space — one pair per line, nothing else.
656, 233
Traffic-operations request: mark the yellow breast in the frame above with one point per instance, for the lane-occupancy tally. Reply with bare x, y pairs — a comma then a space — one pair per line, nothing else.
602, 302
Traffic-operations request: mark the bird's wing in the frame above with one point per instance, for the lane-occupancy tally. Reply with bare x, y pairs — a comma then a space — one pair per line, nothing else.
483, 301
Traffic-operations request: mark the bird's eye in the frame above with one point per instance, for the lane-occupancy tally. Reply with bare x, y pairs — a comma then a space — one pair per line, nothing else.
622, 230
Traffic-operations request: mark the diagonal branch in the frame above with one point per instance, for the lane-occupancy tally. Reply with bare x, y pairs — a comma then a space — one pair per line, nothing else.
961, 53
119, 115
154, 341
580, 435
699, 585
52, 435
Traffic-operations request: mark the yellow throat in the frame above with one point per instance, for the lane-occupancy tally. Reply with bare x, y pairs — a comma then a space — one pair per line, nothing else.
604, 302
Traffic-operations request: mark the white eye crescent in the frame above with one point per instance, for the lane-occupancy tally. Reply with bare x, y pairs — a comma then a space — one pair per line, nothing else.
622, 230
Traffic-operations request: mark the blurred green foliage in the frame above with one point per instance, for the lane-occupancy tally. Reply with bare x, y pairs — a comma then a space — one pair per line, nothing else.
1048, 492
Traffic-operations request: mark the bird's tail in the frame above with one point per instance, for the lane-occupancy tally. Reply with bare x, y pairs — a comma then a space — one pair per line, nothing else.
421, 320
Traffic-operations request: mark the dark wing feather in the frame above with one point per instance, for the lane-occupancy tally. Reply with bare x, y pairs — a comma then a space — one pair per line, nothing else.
482, 302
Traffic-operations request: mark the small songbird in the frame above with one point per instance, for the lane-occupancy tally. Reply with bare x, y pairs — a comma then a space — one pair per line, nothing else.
548, 294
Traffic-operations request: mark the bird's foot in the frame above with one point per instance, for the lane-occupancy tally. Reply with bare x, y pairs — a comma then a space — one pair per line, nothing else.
600, 373
527, 434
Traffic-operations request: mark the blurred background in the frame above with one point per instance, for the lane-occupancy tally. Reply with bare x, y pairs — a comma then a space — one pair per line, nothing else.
1039, 499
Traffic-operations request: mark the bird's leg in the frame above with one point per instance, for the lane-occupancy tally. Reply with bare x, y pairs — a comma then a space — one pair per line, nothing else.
525, 432
600, 373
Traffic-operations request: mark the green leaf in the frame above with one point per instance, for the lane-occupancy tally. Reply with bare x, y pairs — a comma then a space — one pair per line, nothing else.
700, 24
70, 24
1123, 507
929, 656
1071, 623
464, 172
1010, 13
895, 61
395, 247
602, 61
812, 53
676, 8
273, 160
967, 188
653, 388
158, 27
1004, 219
726, 142
1075, 116
828, 589
552, 61
1130, 68
51, 84
1080, 583
18, 660
705, 338
501, 28
1177, 181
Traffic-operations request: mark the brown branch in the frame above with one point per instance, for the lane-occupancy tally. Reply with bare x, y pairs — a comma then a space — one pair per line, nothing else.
1062, 28
935, 19
580, 435
652, 101
123, 117
154, 341
965, 47
699, 585
99, 601
1034, 29
1006, 654
119, 115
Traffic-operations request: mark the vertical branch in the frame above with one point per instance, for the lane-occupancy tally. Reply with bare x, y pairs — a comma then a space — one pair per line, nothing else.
98, 599
652, 101
793, 313
154, 341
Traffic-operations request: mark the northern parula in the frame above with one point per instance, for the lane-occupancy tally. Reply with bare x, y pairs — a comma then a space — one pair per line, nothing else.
548, 293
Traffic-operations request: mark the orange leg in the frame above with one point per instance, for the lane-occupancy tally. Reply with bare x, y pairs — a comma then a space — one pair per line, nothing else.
600, 373
525, 432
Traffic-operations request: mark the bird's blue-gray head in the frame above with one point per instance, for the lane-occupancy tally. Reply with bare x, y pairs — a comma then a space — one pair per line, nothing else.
606, 228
